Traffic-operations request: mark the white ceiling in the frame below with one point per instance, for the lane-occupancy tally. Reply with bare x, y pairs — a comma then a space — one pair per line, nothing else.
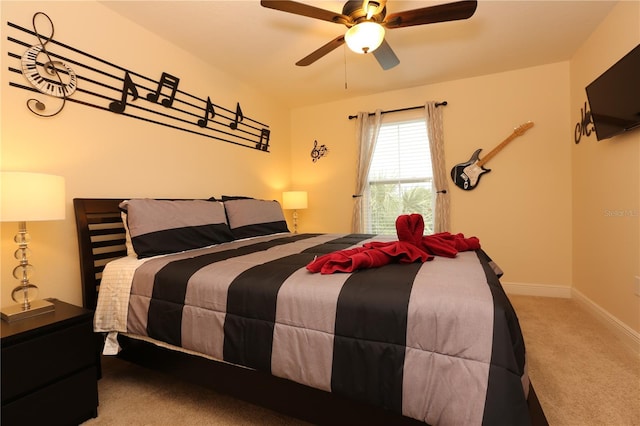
261, 46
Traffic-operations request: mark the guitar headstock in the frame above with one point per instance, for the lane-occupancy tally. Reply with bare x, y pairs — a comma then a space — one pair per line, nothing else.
523, 128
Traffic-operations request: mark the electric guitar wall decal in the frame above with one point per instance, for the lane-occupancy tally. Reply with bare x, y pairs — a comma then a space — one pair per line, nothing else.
467, 175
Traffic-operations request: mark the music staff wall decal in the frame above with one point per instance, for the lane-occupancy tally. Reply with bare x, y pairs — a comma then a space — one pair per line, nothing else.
75, 76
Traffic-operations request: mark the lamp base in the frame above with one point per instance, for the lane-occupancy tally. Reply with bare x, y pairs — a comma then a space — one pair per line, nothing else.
16, 312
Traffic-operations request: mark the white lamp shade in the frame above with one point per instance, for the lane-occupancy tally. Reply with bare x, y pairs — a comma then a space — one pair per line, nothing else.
364, 37
30, 197
293, 200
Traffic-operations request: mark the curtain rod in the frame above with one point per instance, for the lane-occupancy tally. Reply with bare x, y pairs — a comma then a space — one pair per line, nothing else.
443, 103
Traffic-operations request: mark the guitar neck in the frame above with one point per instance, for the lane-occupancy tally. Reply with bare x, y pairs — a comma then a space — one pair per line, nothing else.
518, 132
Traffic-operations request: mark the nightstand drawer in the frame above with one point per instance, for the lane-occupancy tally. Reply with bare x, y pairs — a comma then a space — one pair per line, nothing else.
44, 359
70, 401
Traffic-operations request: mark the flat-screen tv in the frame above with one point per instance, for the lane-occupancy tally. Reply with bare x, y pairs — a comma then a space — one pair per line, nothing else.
614, 97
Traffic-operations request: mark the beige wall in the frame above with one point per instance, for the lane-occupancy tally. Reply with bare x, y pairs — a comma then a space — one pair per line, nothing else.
606, 182
102, 154
521, 211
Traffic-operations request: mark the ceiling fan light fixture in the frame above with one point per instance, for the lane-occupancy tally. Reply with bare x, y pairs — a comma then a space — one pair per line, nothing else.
364, 37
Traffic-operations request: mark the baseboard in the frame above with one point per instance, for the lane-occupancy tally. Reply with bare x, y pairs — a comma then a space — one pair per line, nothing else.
629, 336
542, 290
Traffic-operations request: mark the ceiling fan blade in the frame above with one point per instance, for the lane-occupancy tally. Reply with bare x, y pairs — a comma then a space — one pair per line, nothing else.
385, 56
333, 44
305, 10
432, 14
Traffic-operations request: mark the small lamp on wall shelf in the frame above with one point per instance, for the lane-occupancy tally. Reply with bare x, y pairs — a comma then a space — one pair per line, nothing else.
28, 197
294, 200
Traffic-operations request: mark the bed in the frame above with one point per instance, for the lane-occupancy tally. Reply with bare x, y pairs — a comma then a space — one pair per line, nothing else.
234, 308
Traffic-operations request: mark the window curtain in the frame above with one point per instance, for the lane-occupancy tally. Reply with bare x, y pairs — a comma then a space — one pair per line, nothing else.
433, 117
367, 128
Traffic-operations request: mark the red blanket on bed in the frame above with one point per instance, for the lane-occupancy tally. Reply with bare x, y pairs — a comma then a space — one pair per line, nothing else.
412, 246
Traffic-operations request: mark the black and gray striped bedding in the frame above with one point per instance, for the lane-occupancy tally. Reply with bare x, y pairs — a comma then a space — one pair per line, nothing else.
436, 341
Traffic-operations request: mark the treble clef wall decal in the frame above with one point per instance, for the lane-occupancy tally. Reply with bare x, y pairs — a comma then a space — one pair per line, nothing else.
318, 152
44, 81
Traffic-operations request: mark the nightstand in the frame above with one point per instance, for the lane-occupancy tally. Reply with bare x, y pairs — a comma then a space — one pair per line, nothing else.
49, 368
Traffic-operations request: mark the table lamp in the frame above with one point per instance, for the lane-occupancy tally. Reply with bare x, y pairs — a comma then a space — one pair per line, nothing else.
294, 200
28, 197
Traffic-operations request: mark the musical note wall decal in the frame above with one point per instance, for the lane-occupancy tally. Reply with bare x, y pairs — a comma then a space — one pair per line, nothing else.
263, 144
318, 152
238, 118
127, 88
97, 83
169, 81
209, 112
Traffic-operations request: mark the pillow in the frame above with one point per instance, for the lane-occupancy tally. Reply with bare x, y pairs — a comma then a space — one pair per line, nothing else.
252, 217
170, 226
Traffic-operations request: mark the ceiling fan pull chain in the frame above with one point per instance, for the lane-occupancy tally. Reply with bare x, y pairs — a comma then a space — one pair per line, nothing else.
344, 51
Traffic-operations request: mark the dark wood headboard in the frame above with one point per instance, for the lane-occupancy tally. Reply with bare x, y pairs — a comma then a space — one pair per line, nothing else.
101, 238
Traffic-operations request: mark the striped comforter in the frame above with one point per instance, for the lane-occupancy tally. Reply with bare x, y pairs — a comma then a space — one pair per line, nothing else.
436, 341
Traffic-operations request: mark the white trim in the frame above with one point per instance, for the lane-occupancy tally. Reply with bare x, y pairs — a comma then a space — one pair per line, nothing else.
629, 336
543, 290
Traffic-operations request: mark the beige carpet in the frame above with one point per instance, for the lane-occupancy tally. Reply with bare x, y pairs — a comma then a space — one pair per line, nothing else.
582, 375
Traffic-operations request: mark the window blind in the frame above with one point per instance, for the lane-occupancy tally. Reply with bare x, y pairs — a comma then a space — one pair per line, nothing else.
400, 177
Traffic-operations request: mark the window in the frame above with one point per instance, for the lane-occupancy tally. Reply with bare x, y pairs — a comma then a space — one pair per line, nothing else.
400, 178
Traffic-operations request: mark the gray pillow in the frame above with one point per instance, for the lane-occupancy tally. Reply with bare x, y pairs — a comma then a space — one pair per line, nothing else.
170, 226
252, 217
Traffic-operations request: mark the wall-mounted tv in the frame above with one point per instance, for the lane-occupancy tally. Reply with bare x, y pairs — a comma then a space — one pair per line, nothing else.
614, 97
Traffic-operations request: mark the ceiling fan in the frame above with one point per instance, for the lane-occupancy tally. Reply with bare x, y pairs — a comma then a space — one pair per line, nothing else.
366, 21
